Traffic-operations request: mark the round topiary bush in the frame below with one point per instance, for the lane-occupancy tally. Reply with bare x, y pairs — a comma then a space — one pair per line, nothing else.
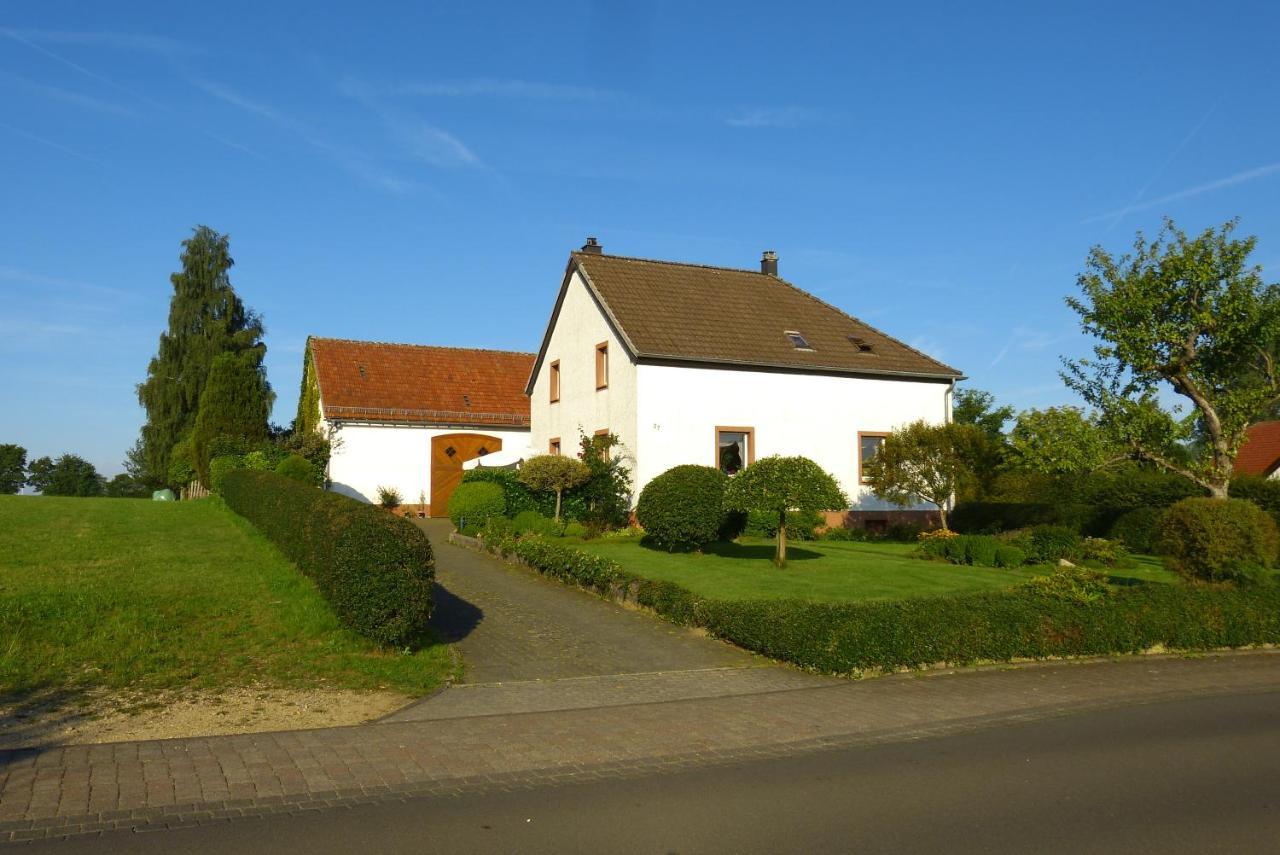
1139, 529
683, 508
473, 503
300, 469
1216, 540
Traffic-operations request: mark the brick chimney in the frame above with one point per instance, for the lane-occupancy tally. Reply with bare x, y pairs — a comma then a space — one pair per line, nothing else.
593, 246
769, 263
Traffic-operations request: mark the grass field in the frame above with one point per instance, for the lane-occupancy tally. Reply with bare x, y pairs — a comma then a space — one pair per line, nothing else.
827, 571
131, 594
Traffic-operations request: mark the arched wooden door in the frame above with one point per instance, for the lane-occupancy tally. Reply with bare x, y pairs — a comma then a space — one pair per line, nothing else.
448, 452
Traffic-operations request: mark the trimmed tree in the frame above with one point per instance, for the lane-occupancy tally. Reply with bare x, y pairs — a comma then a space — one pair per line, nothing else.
555, 473
235, 403
776, 485
13, 468
1190, 315
69, 475
206, 318
923, 462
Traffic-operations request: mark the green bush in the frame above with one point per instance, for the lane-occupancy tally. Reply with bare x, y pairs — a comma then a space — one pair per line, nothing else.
1047, 544
683, 508
472, 504
956, 549
801, 525
575, 529
375, 570
993, 517
532, 522
903, 533
1073, 584
1217, 540
298, 468
1050, 619
981, 550
389, 497
840, 533
219, 467
1099, 550
1010, 556
1263, 492
515, 492
1139, 529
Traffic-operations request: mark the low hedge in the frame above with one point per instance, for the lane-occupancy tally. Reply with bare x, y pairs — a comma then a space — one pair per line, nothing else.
374, 569
517, 494
472, 504
1026, 622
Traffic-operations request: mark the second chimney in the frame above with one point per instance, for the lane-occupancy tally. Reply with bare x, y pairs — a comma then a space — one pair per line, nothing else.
769, 263
593, 246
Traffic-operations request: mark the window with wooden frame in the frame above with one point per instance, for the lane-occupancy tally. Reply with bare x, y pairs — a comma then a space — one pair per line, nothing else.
869, 443
553, 447
735, 449
602, 365
554, 380
604, 432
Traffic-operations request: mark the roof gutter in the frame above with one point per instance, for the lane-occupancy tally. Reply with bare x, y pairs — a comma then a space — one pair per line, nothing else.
801, 369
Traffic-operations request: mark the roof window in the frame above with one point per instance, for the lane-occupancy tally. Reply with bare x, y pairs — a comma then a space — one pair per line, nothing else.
797, 340
862, 344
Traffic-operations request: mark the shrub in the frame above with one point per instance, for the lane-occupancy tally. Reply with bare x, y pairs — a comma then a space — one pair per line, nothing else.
472, 504
1049, 543
575, 529
219, 467
840, 533
904, 532
515, 492
1215, 540
981, 550
554, 473
532, 522
1073, 584
375, 570
1060, 617
933, 544
801, 525
389, 497
992, 517
683, 508
1010, 556
1139, 529
1098, 549
956, 550
298, 468
1263, 492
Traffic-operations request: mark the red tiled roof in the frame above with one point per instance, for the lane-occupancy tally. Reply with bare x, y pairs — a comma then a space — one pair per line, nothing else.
375, 381
1260, 453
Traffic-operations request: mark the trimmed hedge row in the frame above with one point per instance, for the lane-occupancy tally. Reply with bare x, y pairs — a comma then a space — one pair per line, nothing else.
374, 569
1025, 622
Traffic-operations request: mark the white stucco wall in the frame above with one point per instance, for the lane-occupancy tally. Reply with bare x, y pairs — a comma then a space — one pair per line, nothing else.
582, 409
812, 415
369, 456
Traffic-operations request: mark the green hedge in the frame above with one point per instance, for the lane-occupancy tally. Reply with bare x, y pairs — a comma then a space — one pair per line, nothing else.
1024, 622
517, 494
471, 505
374, 569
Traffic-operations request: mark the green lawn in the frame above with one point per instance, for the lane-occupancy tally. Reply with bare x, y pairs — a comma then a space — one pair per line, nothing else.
825, 571
131, 594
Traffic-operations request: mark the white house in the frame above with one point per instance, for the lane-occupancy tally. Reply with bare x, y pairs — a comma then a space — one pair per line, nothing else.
689, 363
408, 416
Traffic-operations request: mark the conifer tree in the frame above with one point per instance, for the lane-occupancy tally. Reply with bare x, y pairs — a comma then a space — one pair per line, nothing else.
206, 318
235, 404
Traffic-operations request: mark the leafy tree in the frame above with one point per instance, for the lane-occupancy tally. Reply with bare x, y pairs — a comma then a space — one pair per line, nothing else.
924, 462
125, 486
206, 318
776, 485
234, 405
607, 490
554, 472
1191, 315
1059, 441
69, 475
13, 468
978, 408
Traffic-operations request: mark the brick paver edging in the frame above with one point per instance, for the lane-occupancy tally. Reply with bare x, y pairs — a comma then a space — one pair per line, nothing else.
177, 783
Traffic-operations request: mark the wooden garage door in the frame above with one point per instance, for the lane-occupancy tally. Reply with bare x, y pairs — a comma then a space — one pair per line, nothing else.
448, 452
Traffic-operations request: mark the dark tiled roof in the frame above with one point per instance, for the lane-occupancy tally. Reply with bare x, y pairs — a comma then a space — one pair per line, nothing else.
1260, 453
373, 381
692, 312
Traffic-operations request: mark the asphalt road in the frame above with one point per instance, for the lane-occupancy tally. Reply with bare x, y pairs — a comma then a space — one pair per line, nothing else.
1186, 776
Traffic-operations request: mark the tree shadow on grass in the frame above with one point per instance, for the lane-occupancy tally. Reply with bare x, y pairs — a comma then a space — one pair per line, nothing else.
33, 721
743, 551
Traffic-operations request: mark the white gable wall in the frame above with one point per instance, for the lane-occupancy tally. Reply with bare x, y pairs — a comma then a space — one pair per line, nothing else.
369, 456
812, 415
582, 409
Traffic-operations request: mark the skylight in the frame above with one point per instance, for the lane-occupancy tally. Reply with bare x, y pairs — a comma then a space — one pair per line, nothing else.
862, 344
797, 340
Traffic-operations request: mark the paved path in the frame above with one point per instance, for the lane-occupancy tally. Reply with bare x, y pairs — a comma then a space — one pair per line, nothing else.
72, 790
532, 644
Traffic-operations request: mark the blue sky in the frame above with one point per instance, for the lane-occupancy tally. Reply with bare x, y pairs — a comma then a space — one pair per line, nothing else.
419, 174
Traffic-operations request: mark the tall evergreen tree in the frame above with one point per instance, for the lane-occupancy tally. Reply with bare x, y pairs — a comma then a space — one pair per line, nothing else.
236, 403
206, 318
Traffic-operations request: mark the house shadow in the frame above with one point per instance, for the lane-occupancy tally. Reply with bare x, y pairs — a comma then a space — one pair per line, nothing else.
452, 618
745, 551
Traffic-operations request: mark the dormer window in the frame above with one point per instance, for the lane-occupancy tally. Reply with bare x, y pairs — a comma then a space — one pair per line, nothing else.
797, 341
861, 344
